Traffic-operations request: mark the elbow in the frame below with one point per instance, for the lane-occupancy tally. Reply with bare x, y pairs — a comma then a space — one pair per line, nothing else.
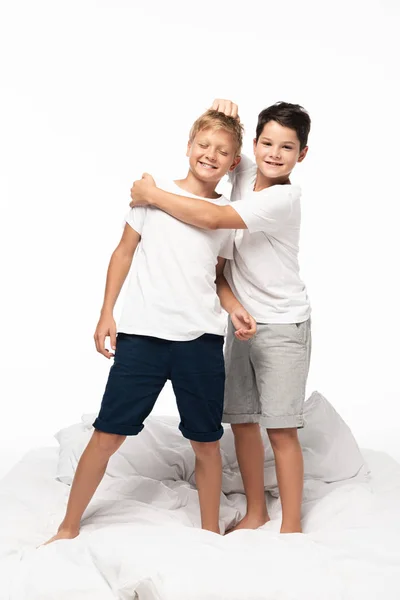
211, 224
211, 220
123, 254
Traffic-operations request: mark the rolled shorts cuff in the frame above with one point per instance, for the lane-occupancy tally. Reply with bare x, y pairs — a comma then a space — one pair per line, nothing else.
117, 428
289, 421
212, 436
241, 418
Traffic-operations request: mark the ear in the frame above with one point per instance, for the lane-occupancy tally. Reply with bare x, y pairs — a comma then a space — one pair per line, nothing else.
235, 163
303, 154
254, 145
189, 145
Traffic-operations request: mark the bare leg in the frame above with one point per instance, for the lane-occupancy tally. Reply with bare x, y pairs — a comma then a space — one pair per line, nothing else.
290, 475
208, 473
250, 454
88, 475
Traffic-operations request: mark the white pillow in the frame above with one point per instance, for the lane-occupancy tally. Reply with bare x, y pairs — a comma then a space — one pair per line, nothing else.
331, 454
330, 450
159, 452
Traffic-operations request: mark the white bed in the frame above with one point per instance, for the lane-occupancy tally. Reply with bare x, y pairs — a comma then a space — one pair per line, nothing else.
141, 537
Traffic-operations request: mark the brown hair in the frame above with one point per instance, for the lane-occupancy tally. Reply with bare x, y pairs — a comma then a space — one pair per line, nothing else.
216, 120
288, 115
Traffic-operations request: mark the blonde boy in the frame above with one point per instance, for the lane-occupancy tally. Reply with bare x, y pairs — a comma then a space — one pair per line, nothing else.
172, 326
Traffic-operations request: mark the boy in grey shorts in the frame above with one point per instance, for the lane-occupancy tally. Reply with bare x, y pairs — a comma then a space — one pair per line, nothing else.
266, 376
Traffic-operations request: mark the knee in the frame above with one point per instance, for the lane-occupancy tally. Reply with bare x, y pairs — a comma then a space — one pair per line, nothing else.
107, 443
206, 450
244, 429
282, 438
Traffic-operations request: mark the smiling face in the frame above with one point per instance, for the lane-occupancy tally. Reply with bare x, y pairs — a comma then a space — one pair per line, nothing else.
212, 153
276, 152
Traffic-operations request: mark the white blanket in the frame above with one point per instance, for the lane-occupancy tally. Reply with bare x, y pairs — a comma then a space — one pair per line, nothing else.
141, 539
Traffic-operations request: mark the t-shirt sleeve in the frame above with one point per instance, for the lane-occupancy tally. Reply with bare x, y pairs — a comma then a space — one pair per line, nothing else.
135, 218
268, 210
245, 164
226, 249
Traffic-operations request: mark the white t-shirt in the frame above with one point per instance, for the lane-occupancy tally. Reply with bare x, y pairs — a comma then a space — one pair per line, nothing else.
171, 292
264, 273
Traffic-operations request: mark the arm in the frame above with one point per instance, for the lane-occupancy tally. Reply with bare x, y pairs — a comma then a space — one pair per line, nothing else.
199, 213
227, 298
243, 322
267, 210
118, 269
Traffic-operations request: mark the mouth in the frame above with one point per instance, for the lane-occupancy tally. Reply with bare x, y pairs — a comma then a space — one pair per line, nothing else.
273, 164
206, 165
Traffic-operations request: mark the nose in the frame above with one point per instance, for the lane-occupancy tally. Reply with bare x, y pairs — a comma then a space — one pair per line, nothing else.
275, 152
211, 154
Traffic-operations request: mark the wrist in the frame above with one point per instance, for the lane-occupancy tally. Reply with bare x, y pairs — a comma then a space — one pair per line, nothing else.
106, 311
153, 196
233, 307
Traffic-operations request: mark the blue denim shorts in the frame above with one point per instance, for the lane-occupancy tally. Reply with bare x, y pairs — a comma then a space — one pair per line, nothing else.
143, 364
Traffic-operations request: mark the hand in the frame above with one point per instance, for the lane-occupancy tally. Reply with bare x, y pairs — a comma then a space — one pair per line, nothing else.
141, 190
229, 108
243, 323
106, 327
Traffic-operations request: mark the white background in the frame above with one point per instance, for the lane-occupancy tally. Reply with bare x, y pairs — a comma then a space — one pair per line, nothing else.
93, 93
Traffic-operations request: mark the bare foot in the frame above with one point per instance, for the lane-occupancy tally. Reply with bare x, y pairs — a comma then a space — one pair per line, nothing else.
63, 534
250, 522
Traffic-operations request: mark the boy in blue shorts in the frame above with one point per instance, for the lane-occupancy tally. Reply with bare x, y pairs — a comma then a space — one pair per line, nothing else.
266, 376
172, 326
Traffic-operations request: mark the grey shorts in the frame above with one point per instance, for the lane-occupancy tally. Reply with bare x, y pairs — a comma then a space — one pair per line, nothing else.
266, 376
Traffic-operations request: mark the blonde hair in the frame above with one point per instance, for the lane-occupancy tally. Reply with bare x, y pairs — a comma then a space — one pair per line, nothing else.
212, 119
